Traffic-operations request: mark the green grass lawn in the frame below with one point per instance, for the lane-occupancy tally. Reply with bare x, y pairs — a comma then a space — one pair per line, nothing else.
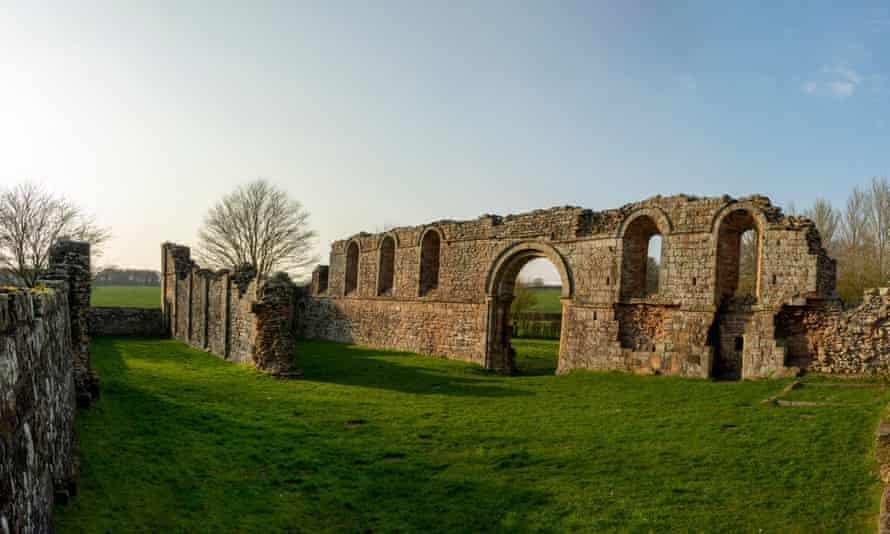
126, 296
382, 441
547, 300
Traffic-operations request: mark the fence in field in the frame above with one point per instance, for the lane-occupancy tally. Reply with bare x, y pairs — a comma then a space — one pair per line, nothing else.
537, 325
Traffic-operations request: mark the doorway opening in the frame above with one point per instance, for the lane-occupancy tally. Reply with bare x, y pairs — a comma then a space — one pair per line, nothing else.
528, 287
737, 290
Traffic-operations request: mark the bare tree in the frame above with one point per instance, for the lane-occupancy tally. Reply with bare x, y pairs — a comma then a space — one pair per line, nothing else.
855, 245
257, 225
878, 217
31, 220
827, 221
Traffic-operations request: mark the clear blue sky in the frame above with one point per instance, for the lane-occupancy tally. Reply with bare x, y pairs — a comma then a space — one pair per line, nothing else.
392, 113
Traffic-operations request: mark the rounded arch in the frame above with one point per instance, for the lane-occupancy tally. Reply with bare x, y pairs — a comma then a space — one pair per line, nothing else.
353, 255
753, 210
386, 257
389, 234
730, 223
510, 261
641, 277
430, 260
426, 230
656, 214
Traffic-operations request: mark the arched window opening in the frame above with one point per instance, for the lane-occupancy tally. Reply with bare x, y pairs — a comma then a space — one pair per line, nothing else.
737, 288
387, 266
429, 261
641, 263
738, 257
653, 264
351, 268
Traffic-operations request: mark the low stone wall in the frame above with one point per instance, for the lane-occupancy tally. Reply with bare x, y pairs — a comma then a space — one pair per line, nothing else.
826, 338
453, 330
119, 321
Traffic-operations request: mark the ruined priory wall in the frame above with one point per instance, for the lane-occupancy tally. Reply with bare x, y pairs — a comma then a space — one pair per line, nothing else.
44, 375
120, 321
38, 448
454, 330
69, 262
662, 332
242, 324
233, 315
829, 339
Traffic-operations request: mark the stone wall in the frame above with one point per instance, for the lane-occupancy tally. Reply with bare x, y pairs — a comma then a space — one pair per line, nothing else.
444, 288
44, 373
235, 315
120, 321
69, 262
827, 338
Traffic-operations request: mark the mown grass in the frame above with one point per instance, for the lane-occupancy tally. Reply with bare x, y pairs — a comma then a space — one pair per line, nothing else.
547, 300
382, 441
126, 296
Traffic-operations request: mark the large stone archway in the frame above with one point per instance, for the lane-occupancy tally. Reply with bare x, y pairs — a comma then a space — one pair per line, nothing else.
500, 286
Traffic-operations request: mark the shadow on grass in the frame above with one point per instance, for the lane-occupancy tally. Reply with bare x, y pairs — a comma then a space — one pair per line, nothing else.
170, 451
353, 365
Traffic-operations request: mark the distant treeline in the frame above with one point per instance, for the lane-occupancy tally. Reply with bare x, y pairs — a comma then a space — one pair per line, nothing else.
115, 276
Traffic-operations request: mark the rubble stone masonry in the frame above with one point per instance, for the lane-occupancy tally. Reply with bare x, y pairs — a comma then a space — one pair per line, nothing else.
44, 372
235, 315
120, 321
445, 288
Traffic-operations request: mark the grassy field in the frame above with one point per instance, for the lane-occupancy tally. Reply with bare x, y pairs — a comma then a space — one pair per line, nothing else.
547, 300
382, 441
127, 296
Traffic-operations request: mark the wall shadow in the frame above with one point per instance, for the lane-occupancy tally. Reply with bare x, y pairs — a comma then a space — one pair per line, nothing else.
200, 449
354, 365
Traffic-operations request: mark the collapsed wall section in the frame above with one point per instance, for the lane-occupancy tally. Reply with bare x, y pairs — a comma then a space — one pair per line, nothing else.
236, 315
824, 337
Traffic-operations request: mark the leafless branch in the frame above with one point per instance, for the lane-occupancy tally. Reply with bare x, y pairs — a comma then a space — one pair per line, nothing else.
31, 220
257, 225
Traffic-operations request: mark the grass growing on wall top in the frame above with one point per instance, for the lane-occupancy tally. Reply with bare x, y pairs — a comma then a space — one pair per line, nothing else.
126, 296
383, 441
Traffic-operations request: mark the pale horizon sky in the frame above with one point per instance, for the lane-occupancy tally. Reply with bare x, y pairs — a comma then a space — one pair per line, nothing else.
400, 113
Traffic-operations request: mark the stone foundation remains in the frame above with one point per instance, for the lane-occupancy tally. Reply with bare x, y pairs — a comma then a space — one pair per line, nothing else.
235, 315
445, 288
44, 372
120, 321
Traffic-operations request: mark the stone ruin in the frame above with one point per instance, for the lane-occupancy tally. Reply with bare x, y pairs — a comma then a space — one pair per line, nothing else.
445, 289
236, 315
44, 374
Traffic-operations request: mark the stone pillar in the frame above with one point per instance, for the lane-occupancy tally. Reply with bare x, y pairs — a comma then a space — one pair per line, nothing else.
274, 342
69, 261
176, 264
319, 280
